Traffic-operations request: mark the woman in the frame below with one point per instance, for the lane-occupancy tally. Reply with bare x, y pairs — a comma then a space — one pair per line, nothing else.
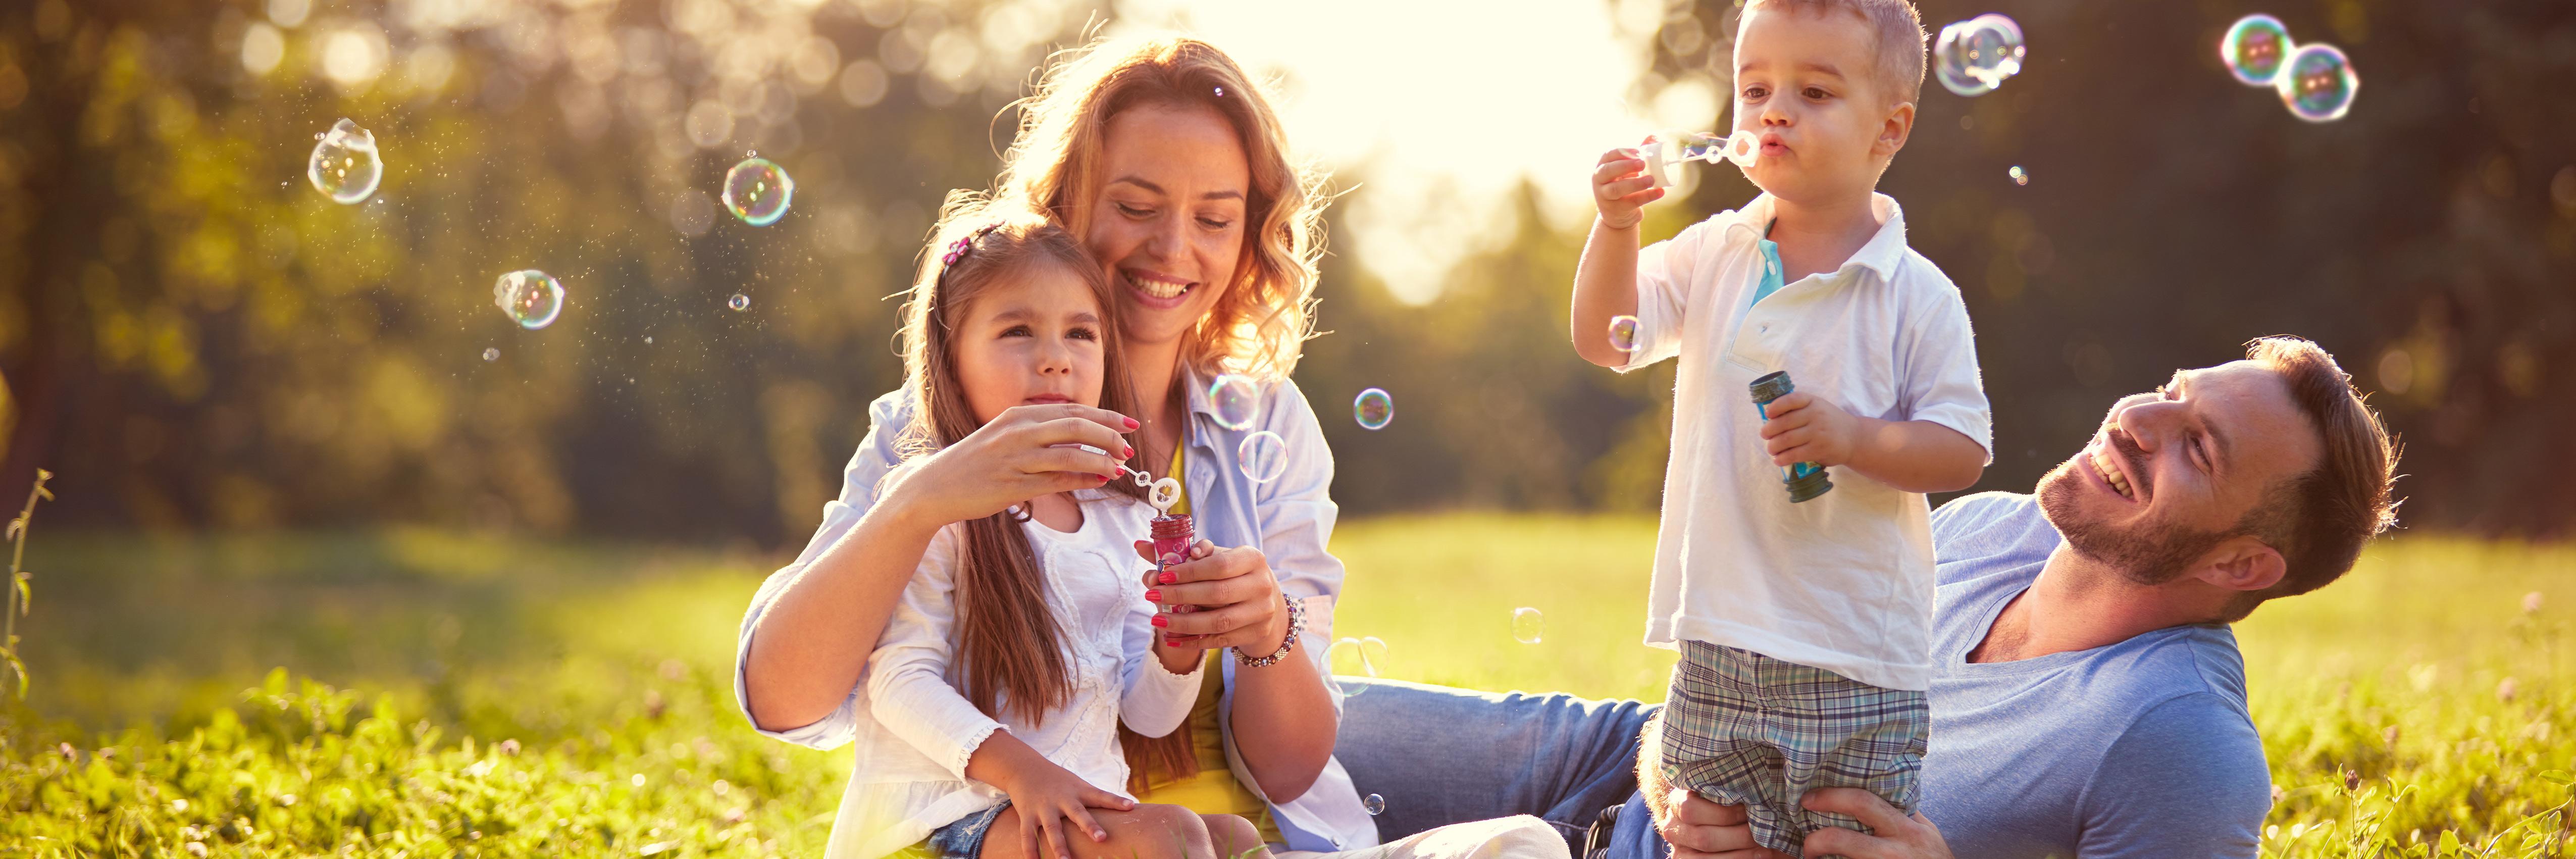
1167, 162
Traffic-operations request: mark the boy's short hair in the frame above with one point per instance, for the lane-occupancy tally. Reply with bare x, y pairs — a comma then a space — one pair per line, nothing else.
1896, 30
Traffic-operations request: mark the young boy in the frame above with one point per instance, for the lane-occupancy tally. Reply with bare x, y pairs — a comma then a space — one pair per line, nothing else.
1804, 627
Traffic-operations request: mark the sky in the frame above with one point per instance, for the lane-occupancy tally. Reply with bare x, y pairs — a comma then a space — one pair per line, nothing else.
1462, 97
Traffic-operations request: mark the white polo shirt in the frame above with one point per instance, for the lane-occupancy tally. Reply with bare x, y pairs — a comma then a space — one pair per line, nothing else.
1842, 582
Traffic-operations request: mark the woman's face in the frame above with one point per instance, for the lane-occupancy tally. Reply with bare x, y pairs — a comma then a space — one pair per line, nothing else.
1169, 224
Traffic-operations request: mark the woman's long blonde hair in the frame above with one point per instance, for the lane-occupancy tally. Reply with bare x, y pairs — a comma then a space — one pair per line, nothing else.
1260, 325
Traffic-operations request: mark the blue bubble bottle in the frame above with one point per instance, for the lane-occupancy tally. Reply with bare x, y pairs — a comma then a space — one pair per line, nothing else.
1804, 480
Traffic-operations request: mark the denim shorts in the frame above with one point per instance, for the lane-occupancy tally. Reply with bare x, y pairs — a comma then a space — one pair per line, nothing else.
963, 839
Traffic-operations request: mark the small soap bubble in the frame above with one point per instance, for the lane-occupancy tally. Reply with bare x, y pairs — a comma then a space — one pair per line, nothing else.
2018, 177
1528, 625
2253, 49
2317, 83
532, 298
1375, 804
1263, 456
344, 165
739, 301
1236, 399
1623, 333
1355, 657
1373, 408
1974, 56
491, 354
757, 191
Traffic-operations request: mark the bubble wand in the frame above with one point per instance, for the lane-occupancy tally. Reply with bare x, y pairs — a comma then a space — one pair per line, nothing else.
1661, 151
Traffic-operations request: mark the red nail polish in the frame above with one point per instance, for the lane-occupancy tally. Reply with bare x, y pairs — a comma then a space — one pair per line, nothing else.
1132, 424
1159, 620
1154, 595
1122, 471
1169, 578
1128, 453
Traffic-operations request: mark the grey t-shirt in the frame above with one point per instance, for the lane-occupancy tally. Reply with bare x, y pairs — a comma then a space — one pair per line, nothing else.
2137, 749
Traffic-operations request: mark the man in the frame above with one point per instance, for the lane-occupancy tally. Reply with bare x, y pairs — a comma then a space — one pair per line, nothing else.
2090, 700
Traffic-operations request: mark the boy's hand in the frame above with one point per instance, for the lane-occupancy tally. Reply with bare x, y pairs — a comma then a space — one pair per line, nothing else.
1803, 428
1621, 188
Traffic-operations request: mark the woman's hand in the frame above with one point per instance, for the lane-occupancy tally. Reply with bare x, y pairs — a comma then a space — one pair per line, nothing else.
1220, 598
1024, 452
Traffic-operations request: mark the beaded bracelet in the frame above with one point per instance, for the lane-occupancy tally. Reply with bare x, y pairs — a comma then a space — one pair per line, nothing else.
1296, 627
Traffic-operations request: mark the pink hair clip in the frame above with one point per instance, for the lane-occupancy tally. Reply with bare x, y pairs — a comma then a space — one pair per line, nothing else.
957, 249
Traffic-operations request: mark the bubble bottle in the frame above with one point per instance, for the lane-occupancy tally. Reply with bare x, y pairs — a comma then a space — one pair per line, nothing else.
1804, 480
1663, 150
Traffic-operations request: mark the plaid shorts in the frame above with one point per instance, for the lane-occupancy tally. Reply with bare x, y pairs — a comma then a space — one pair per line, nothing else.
1745, 729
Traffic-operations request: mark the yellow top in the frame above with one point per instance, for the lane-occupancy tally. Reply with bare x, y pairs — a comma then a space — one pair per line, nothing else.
1180, 499
1213, 789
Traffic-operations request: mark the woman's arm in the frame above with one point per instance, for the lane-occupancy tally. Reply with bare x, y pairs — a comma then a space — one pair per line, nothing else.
804, 648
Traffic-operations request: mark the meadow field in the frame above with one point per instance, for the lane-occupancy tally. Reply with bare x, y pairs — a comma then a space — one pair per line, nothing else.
428, 694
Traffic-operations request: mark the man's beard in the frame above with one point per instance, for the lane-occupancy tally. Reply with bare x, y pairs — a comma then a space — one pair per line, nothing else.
2150, 554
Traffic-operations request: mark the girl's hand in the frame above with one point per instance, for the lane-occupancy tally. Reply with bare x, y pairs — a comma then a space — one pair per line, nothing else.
1023, 453
1230, 596
1051, 801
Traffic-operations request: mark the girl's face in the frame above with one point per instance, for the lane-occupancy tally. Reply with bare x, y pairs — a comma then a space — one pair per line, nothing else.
1169, 224
1030, 340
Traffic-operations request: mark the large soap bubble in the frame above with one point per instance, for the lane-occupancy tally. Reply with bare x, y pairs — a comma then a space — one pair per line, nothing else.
532, 298
2253, 49
1974, 56
757, 191
2317, 83
345, 166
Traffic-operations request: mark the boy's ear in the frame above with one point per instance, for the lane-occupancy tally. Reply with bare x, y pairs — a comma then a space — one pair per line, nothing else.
1893, 133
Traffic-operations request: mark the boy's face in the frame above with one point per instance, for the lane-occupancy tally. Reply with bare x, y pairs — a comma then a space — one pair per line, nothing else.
1806, 85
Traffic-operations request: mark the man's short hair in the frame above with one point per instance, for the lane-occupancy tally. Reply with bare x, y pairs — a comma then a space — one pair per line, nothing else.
2319, 520
1896, 33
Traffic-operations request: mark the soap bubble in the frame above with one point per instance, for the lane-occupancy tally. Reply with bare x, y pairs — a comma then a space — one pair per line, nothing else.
1623, 333
491, 354
1662, 151
532, 298
1528, 625
1355, 657
1375, 804
2254, 48
1373, 408
344, 164
1263, 456
1237, 400
2317, 83
2018, 177
757, 191
1974, 56
739, 301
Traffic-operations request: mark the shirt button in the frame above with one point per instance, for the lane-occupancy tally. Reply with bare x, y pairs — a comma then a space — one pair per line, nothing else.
1764, 328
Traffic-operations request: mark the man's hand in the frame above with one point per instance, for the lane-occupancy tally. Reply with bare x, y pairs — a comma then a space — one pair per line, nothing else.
1806, 428
1898, 836
1699, 829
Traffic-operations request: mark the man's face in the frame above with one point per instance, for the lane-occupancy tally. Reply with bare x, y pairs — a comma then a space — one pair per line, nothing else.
2173, 473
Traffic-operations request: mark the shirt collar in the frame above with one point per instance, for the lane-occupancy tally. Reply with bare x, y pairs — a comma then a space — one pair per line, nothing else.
1884, 252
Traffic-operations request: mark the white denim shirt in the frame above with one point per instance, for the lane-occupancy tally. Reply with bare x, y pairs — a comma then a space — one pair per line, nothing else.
1842, 582
1290, 519
921, 731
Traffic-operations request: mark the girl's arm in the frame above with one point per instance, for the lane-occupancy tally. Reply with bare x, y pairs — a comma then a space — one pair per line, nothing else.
809, 632
907, 676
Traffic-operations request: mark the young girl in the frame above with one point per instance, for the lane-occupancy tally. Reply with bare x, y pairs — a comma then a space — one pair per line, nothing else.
1025, 637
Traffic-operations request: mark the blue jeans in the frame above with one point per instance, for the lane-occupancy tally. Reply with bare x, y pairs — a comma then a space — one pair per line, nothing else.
1440, 755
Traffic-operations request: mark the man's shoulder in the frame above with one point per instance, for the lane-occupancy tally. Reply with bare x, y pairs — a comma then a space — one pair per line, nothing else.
1971, 515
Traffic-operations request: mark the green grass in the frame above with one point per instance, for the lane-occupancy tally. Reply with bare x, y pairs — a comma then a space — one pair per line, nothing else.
607, 669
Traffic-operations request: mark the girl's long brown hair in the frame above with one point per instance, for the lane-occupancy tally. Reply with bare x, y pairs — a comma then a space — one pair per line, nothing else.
1010, 651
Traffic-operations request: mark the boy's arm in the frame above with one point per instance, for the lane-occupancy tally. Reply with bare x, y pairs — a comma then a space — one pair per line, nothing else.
1605, 280
1912, 456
